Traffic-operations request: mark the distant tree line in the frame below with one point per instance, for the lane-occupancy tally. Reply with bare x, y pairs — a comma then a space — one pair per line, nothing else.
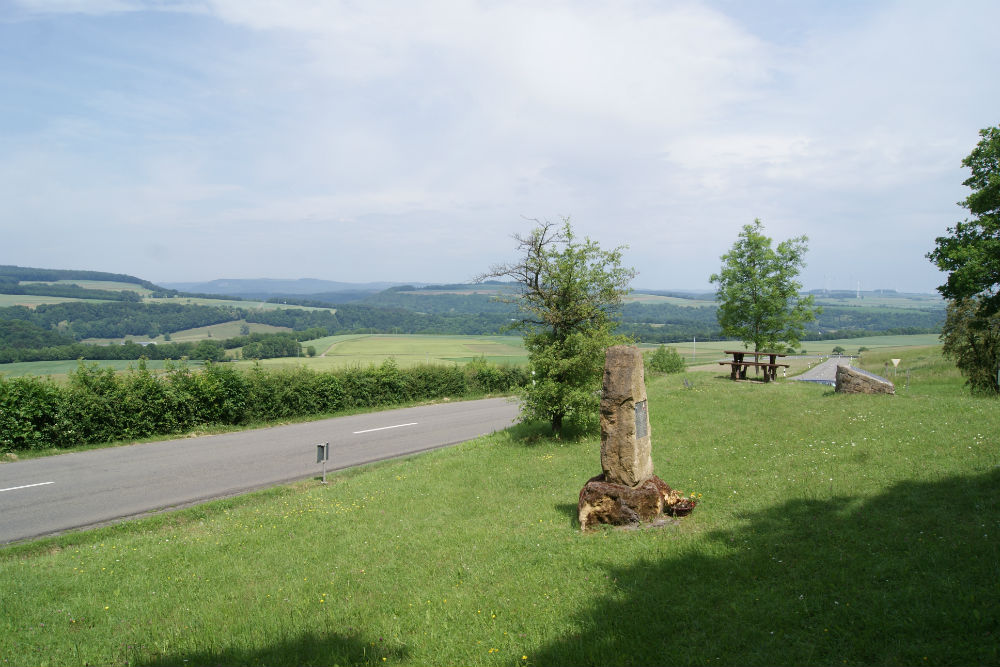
81, 319
254, 346
97, 405
203, 350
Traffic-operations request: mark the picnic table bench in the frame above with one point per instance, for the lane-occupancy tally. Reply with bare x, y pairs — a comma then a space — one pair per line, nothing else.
740, 363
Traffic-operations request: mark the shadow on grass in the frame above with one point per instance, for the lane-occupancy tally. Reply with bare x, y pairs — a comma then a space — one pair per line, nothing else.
536, 433
907, 577
310, 649
571, 512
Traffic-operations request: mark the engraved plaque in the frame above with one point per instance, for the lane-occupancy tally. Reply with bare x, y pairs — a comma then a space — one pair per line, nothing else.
641, 420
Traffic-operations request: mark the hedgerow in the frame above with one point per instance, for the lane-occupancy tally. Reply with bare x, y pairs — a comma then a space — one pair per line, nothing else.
97, 405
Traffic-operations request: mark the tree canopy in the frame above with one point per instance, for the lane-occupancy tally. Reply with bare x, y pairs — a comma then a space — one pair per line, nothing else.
569, 294
758, 294
970, 253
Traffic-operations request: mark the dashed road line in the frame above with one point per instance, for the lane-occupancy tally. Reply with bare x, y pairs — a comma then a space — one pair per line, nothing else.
26, 486
384, 428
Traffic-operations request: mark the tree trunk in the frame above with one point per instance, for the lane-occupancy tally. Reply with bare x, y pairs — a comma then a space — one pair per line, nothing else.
557, 420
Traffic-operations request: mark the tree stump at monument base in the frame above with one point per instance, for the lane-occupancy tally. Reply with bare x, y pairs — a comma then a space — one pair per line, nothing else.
620, 504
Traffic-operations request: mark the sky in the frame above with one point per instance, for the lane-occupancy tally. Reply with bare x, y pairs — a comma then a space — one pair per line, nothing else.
188, 140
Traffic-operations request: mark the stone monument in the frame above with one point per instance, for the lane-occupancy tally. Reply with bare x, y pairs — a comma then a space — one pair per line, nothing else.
625, 440
627, 492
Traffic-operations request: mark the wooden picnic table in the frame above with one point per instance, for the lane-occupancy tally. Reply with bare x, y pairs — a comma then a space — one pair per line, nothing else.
738, 366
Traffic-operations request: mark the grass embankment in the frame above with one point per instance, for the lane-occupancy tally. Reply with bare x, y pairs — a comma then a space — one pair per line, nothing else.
833, 529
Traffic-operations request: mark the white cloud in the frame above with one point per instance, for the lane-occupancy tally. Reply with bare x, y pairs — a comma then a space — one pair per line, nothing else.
662, 125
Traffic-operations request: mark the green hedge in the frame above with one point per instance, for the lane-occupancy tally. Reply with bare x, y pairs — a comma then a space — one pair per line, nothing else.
97, 405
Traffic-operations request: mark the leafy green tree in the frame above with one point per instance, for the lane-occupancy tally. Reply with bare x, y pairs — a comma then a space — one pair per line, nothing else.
666, 360
569, 293
973, 341
209, 350
758, 294
838, 350
970, 253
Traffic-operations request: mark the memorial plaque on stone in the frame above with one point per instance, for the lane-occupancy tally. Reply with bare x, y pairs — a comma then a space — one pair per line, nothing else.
641, 420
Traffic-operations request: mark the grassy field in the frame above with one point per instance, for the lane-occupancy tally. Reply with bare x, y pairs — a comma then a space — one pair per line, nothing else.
639, 297
31, 300
407, 350
219, 331
109, 285
832, 529
249, 305
59, 369
871, 300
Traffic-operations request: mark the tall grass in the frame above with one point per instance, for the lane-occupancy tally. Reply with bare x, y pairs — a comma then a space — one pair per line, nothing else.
833, 529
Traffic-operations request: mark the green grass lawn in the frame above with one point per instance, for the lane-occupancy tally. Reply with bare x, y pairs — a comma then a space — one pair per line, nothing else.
832, 529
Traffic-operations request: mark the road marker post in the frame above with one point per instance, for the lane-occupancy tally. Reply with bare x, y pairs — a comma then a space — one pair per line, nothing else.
322, 456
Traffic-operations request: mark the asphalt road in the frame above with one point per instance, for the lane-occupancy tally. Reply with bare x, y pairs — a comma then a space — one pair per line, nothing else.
58, 493
825, 371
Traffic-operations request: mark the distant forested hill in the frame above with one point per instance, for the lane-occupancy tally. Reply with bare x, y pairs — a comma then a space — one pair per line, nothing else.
265, 288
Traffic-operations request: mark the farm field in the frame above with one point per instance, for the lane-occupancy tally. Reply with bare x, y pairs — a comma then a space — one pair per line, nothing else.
639, 297
217, 331
32, 300
323, 345
109, 285
58, 370
249, 305
814, 528
407, 350
870, 300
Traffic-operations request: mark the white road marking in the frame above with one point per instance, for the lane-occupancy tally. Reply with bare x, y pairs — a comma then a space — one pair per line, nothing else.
26, 486
385, 428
